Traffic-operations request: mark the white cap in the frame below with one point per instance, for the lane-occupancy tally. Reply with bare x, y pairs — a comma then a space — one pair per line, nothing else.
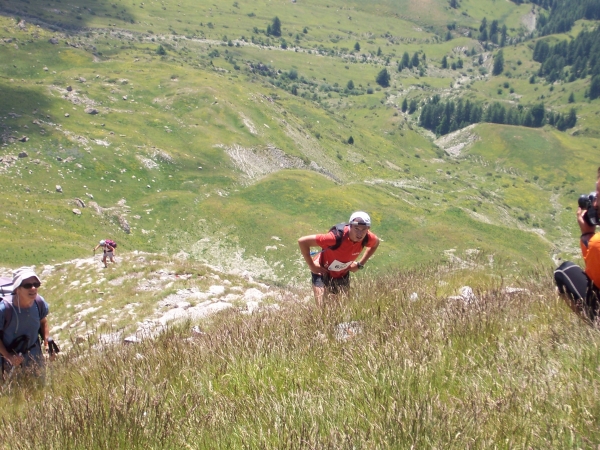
21, 274
102, 242
360, 218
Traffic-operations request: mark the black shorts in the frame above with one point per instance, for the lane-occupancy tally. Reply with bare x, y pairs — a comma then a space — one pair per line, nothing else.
573, 281
333, 285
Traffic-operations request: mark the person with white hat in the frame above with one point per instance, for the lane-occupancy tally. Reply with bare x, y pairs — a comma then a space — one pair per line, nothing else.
344, 243
22, 318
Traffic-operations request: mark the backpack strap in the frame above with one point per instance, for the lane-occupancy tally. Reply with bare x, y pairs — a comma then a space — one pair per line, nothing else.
8, 311
338, 232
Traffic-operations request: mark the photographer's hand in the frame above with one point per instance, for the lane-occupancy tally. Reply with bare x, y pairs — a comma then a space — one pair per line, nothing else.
583, 226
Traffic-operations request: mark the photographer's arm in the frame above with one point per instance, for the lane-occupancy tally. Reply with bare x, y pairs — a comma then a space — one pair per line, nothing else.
587, 231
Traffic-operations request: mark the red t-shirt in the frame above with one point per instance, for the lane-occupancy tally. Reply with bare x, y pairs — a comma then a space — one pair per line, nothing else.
338, 261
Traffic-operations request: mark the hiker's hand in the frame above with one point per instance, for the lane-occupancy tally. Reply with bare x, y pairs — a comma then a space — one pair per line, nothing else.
15, 360
318, 269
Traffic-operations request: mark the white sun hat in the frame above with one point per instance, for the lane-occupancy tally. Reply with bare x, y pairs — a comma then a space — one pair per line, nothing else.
360, 218
21, 274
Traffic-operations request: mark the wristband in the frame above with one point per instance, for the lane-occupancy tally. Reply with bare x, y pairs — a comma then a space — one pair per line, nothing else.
587, 234
360, 265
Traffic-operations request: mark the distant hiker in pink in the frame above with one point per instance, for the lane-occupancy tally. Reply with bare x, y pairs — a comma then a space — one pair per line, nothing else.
109, 248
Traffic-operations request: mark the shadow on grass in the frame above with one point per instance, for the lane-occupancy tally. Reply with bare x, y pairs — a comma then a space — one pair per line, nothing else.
18, 106
58, 15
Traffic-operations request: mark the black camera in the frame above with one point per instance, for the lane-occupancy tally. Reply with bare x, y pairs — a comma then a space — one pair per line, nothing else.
591, 215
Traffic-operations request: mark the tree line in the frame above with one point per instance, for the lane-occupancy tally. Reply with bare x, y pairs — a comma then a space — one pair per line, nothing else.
582, 54
562, 14
445, 117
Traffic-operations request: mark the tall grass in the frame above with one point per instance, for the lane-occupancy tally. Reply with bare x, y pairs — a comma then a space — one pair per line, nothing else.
505, 371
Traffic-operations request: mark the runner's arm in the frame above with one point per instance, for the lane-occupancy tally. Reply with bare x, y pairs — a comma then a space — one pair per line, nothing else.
369, 251
305, 243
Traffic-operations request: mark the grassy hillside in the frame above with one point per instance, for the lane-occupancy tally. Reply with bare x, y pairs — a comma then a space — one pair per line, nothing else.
512, 367
206, 146
232, 137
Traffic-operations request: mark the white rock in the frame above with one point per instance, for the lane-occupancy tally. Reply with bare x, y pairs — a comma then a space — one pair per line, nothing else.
253, 294
216, 290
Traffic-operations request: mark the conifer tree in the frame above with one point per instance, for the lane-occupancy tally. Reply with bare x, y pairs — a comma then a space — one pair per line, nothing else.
383, 78
498, 63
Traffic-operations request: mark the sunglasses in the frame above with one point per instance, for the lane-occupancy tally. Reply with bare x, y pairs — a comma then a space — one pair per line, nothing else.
30, 285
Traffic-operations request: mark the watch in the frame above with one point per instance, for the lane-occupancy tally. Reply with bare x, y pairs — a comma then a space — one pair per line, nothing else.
359, 265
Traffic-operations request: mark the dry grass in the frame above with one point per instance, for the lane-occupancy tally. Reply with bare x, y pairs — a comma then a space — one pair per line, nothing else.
509, 371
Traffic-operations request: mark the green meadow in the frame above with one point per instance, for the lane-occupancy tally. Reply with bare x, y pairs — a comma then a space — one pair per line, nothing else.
206, 143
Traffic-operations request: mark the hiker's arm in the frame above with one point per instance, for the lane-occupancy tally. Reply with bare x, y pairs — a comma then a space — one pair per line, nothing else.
369, 251
96, 248
305, 243
45, 331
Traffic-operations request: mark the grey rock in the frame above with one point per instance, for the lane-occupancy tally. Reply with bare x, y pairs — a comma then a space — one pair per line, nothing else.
91, 110
23, 155
53, 41
58, 188
76, 211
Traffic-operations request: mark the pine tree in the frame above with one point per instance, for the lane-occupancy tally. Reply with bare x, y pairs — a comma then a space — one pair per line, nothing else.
594, 91
412, 107
414, 62
498, 63
405, 62
383, 78
275, 27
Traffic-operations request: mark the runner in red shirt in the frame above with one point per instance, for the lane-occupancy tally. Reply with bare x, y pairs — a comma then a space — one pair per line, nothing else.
331, 267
